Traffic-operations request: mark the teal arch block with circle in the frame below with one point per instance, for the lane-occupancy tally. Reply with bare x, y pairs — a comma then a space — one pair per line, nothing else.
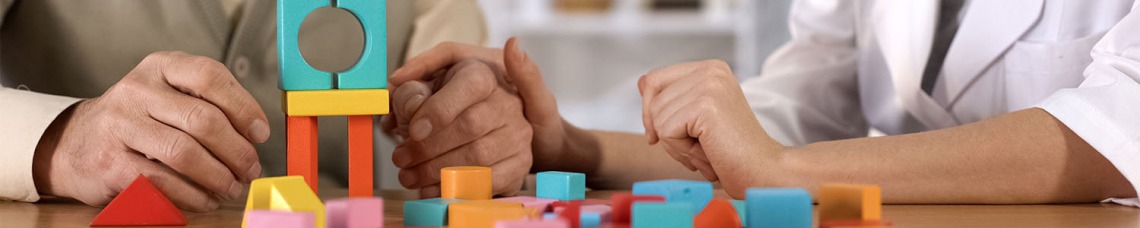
296, 74
370, 72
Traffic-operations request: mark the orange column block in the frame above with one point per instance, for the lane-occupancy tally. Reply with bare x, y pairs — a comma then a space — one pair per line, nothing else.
719, 213
465, 183
360, 156
484, 213
839, 202
301, 134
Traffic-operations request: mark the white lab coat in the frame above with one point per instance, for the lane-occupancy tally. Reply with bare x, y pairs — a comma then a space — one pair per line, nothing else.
853, 65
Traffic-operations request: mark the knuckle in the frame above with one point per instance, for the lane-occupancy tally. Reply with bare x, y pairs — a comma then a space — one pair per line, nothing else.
203, 119
479, 153
177, 151
247, 158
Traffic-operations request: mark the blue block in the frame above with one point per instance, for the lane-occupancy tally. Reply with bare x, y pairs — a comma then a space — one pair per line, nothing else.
696, 193
295, 73
591, 220
371, 72
427, 212
779, 207
661, 215
561, 185
741, 210
549, 216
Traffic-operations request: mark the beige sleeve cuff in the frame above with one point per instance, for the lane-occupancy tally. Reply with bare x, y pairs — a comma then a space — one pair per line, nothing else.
25, 117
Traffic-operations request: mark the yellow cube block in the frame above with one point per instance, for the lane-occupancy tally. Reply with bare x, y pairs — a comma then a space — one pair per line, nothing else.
336, 102
465, 183
484, 213
288, 193
839, 202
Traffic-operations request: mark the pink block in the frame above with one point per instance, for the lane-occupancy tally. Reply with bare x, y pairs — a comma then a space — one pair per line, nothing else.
355, 213
553, 223
530, 202
597, 209
279, 219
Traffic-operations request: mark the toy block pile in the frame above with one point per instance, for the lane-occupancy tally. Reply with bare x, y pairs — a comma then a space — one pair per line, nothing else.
288, 202
358, 93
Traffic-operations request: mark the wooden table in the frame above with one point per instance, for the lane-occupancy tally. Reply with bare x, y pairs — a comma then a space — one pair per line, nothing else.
70, 213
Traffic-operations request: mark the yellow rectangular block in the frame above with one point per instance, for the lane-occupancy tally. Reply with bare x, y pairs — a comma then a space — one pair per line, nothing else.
484, 213
288, 193
465, 183
839, 202
337, 102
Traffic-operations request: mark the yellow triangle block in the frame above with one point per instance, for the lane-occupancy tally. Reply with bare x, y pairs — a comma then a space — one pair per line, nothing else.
288, 193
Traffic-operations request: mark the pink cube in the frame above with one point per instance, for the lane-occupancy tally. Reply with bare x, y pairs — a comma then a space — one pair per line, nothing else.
278, 219
553, 223
539, 204
355, 213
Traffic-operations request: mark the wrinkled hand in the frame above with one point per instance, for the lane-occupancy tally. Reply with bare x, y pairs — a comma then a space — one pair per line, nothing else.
183, 121
453, 107
698, 111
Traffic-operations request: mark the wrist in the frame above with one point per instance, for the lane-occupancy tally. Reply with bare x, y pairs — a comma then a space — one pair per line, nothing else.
43, 158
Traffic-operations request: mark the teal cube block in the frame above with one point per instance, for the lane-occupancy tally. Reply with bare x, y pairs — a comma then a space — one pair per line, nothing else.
779, 207
662, 215
427, 212
561, 185
371, 71
590, 220
295, 72
741, 207
696, 193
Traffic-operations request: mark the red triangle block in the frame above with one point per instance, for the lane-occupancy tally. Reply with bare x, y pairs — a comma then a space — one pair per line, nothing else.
141, 204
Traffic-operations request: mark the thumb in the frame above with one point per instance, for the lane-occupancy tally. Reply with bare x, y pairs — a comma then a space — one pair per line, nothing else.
538, 103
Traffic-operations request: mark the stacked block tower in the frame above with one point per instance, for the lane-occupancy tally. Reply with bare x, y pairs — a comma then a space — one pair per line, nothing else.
358, 93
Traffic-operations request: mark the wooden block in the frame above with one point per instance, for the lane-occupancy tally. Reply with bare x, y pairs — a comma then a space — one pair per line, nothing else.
539, 204
360, 156
279, 219
855, 224
594, 216
288, 193
484, 213
532, 223
571, 211
337, 102
301, 134
697, 193
358, 212
850, 202
622, 202
427, 212
662, 215
719, 213
741, 211
465, 182
371, 71
295, 73
140, 204
779, 207
561, 185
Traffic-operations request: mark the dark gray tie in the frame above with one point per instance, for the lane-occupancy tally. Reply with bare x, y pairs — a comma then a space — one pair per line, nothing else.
943, 36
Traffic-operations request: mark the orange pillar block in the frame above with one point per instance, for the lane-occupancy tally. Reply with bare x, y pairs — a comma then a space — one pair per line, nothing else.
301, 134
839, 202
360, 156
719, 213
465, 183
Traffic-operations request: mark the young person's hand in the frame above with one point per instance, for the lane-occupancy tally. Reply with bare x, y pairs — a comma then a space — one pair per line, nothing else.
182, 121
698, 111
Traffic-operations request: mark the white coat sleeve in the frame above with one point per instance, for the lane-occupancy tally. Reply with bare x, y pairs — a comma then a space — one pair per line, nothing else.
1105, 109
808, 90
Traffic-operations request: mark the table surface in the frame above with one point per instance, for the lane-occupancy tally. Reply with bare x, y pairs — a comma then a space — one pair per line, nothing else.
70, 213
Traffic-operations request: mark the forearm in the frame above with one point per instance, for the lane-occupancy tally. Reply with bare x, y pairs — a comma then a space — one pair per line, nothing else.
625, 158
1021, 157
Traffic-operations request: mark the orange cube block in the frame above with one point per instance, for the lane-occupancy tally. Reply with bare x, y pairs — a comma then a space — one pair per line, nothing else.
719, 213
839, 202
360, 156
484, 213
301, 149
465, 183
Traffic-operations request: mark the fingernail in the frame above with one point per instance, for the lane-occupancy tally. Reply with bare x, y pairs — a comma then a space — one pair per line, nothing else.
258, 131
235, 190
400, 157
413, 104
420, 129
253, 173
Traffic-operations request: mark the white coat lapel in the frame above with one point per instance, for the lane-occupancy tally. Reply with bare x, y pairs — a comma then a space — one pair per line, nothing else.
988, 29
904, 30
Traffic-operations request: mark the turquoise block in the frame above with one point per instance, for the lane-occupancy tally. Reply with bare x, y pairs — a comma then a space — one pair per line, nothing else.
779, 207
741, 207
296, 74
590, 220
561, 185
697, 193
427, 212
371, 72
549, 216
662, 215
